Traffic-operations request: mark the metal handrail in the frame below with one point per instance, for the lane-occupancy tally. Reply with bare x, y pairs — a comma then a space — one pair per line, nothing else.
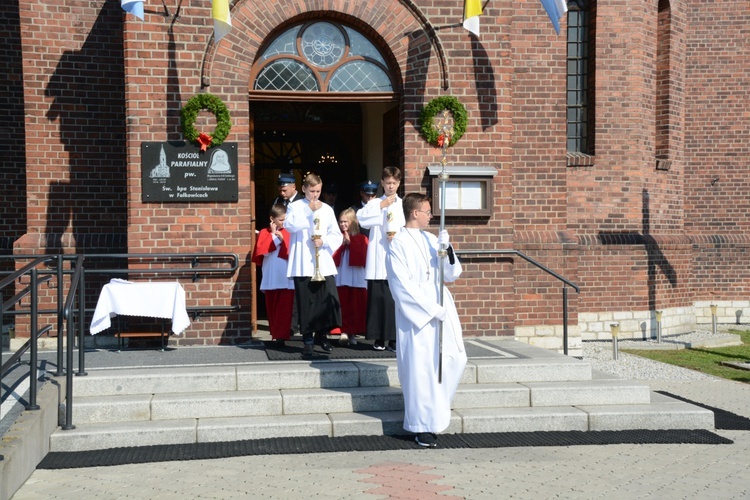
14, 275
195, 259
76, 281
543, 268
228, 265
32, 344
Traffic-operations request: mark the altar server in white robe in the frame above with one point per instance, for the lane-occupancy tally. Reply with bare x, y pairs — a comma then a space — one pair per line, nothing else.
383, 217
313, 227
412, 269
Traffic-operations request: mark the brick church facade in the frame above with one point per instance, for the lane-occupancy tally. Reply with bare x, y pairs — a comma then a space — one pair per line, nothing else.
615, 153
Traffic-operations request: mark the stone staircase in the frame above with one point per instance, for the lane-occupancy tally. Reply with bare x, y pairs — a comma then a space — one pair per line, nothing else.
527, 389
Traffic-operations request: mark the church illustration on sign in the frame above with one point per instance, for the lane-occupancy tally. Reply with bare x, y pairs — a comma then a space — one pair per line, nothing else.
162, 169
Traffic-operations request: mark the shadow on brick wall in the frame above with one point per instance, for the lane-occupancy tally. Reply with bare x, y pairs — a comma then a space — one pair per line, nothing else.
13, 186
88, 92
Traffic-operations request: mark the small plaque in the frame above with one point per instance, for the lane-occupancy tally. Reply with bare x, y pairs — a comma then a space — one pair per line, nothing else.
179, 172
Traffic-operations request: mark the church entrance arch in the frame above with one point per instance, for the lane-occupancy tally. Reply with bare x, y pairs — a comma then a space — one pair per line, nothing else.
322, 99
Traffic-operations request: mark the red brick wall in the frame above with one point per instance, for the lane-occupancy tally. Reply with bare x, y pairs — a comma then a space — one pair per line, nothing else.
539, 167
75, 121
626, 214
12, 188
97, 83
486, 142
717, 208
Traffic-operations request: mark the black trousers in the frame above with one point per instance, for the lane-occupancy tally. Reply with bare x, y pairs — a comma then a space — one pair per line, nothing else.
318, 306
381, 311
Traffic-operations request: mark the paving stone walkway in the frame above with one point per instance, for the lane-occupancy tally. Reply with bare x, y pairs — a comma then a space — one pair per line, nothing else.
611, 471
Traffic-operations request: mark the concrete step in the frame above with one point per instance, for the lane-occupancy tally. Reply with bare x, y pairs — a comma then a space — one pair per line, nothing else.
270, 402
658, 415
155, 380
115, 408
589, 392
305, 375
175, 406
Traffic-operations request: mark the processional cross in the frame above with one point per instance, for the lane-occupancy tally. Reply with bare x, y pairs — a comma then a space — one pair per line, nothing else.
444, 125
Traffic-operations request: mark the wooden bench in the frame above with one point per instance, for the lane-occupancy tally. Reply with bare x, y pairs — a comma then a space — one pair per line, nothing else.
163, 334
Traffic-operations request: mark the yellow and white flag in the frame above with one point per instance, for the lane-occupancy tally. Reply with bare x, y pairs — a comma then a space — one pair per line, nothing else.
222, 19
472, 11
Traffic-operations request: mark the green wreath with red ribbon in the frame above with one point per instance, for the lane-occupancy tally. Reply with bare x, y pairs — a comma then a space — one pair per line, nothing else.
189, 114
427, 119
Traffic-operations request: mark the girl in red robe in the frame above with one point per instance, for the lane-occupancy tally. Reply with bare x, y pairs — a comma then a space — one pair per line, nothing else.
350, 260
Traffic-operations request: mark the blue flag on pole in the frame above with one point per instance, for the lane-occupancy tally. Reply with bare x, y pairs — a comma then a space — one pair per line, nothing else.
134, 7
555, 10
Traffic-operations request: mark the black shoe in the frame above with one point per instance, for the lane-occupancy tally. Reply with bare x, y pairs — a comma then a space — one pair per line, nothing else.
426, 439
279, 343
379, 345
307, 351
322, 340
392, 345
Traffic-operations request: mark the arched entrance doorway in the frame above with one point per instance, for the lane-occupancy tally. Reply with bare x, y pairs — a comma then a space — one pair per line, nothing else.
322, 100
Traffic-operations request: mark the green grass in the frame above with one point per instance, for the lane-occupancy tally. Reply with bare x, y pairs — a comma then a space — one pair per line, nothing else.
707, 360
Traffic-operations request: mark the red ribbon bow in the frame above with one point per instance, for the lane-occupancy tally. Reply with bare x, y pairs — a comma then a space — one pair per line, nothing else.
441, 140
204, 140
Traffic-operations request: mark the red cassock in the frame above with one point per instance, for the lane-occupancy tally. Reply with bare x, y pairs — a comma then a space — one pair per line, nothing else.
279, 299
353, 298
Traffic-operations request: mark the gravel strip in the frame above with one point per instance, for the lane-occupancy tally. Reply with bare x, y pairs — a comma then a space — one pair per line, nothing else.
628, 366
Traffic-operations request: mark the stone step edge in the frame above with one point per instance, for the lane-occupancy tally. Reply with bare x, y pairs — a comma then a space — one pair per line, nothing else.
326, 375
187, 431
304, 401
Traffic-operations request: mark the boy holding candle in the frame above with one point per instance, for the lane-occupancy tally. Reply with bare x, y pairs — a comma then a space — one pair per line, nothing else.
384, 217
315, 237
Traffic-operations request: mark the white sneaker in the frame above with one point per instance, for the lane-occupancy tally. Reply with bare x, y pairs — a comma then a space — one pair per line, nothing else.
343, 339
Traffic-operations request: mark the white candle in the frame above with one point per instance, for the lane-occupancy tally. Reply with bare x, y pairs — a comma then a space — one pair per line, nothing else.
317, 232
391, 226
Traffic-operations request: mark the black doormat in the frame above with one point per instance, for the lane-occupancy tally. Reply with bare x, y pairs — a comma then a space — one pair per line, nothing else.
292, 351
723, 419
324, 444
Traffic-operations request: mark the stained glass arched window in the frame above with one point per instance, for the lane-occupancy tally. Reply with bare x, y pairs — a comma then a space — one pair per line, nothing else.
321, 56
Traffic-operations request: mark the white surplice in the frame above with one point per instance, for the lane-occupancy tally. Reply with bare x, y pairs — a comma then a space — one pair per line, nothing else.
375, 219
275, 269
300, 223
414, 281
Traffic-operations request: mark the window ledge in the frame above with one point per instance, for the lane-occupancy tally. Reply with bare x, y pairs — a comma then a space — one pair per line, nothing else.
663, 164
580, 159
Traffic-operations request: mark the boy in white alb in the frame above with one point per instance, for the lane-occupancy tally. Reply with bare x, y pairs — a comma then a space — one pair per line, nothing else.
315, 236
413, 274
384, 217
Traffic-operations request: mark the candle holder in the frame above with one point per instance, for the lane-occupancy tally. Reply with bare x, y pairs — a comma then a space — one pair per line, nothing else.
317, 234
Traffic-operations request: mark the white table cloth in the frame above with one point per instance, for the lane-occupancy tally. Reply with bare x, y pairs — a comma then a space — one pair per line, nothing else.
148, 299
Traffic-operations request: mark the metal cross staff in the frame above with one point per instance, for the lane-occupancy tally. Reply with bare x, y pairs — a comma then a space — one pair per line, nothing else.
445, 126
